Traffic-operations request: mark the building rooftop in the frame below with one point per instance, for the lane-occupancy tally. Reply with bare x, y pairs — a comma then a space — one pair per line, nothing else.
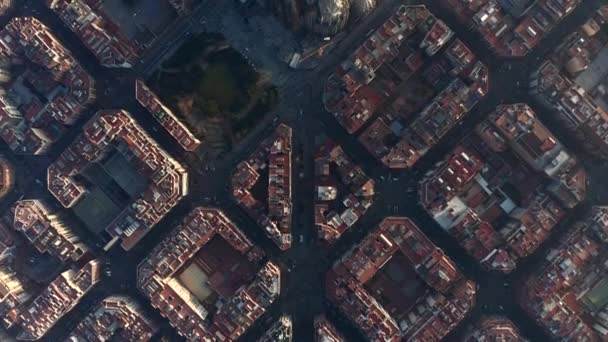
5, 5
158, 279
571, 85
7, 177
402, 57
598, 221
29, 124
582, 53
430, 317
568, 294
178, 130
14, 291
513, 28
280, 331
46, 231
346, 93
502, 191
116, 317
325, 331
272, 158
537, 146
117, 129
336, 212
494, 329
99, 34
55, 301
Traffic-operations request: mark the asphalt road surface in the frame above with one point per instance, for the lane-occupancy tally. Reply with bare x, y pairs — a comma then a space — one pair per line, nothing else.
300, 106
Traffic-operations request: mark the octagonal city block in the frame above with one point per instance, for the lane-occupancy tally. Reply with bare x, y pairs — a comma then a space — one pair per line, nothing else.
117, 178
45, 93
208, 279
397, 285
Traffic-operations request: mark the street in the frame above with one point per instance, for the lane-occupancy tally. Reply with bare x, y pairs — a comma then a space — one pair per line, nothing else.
305, 264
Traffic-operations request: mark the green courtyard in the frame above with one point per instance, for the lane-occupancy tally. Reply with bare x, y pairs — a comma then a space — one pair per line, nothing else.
214, 90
